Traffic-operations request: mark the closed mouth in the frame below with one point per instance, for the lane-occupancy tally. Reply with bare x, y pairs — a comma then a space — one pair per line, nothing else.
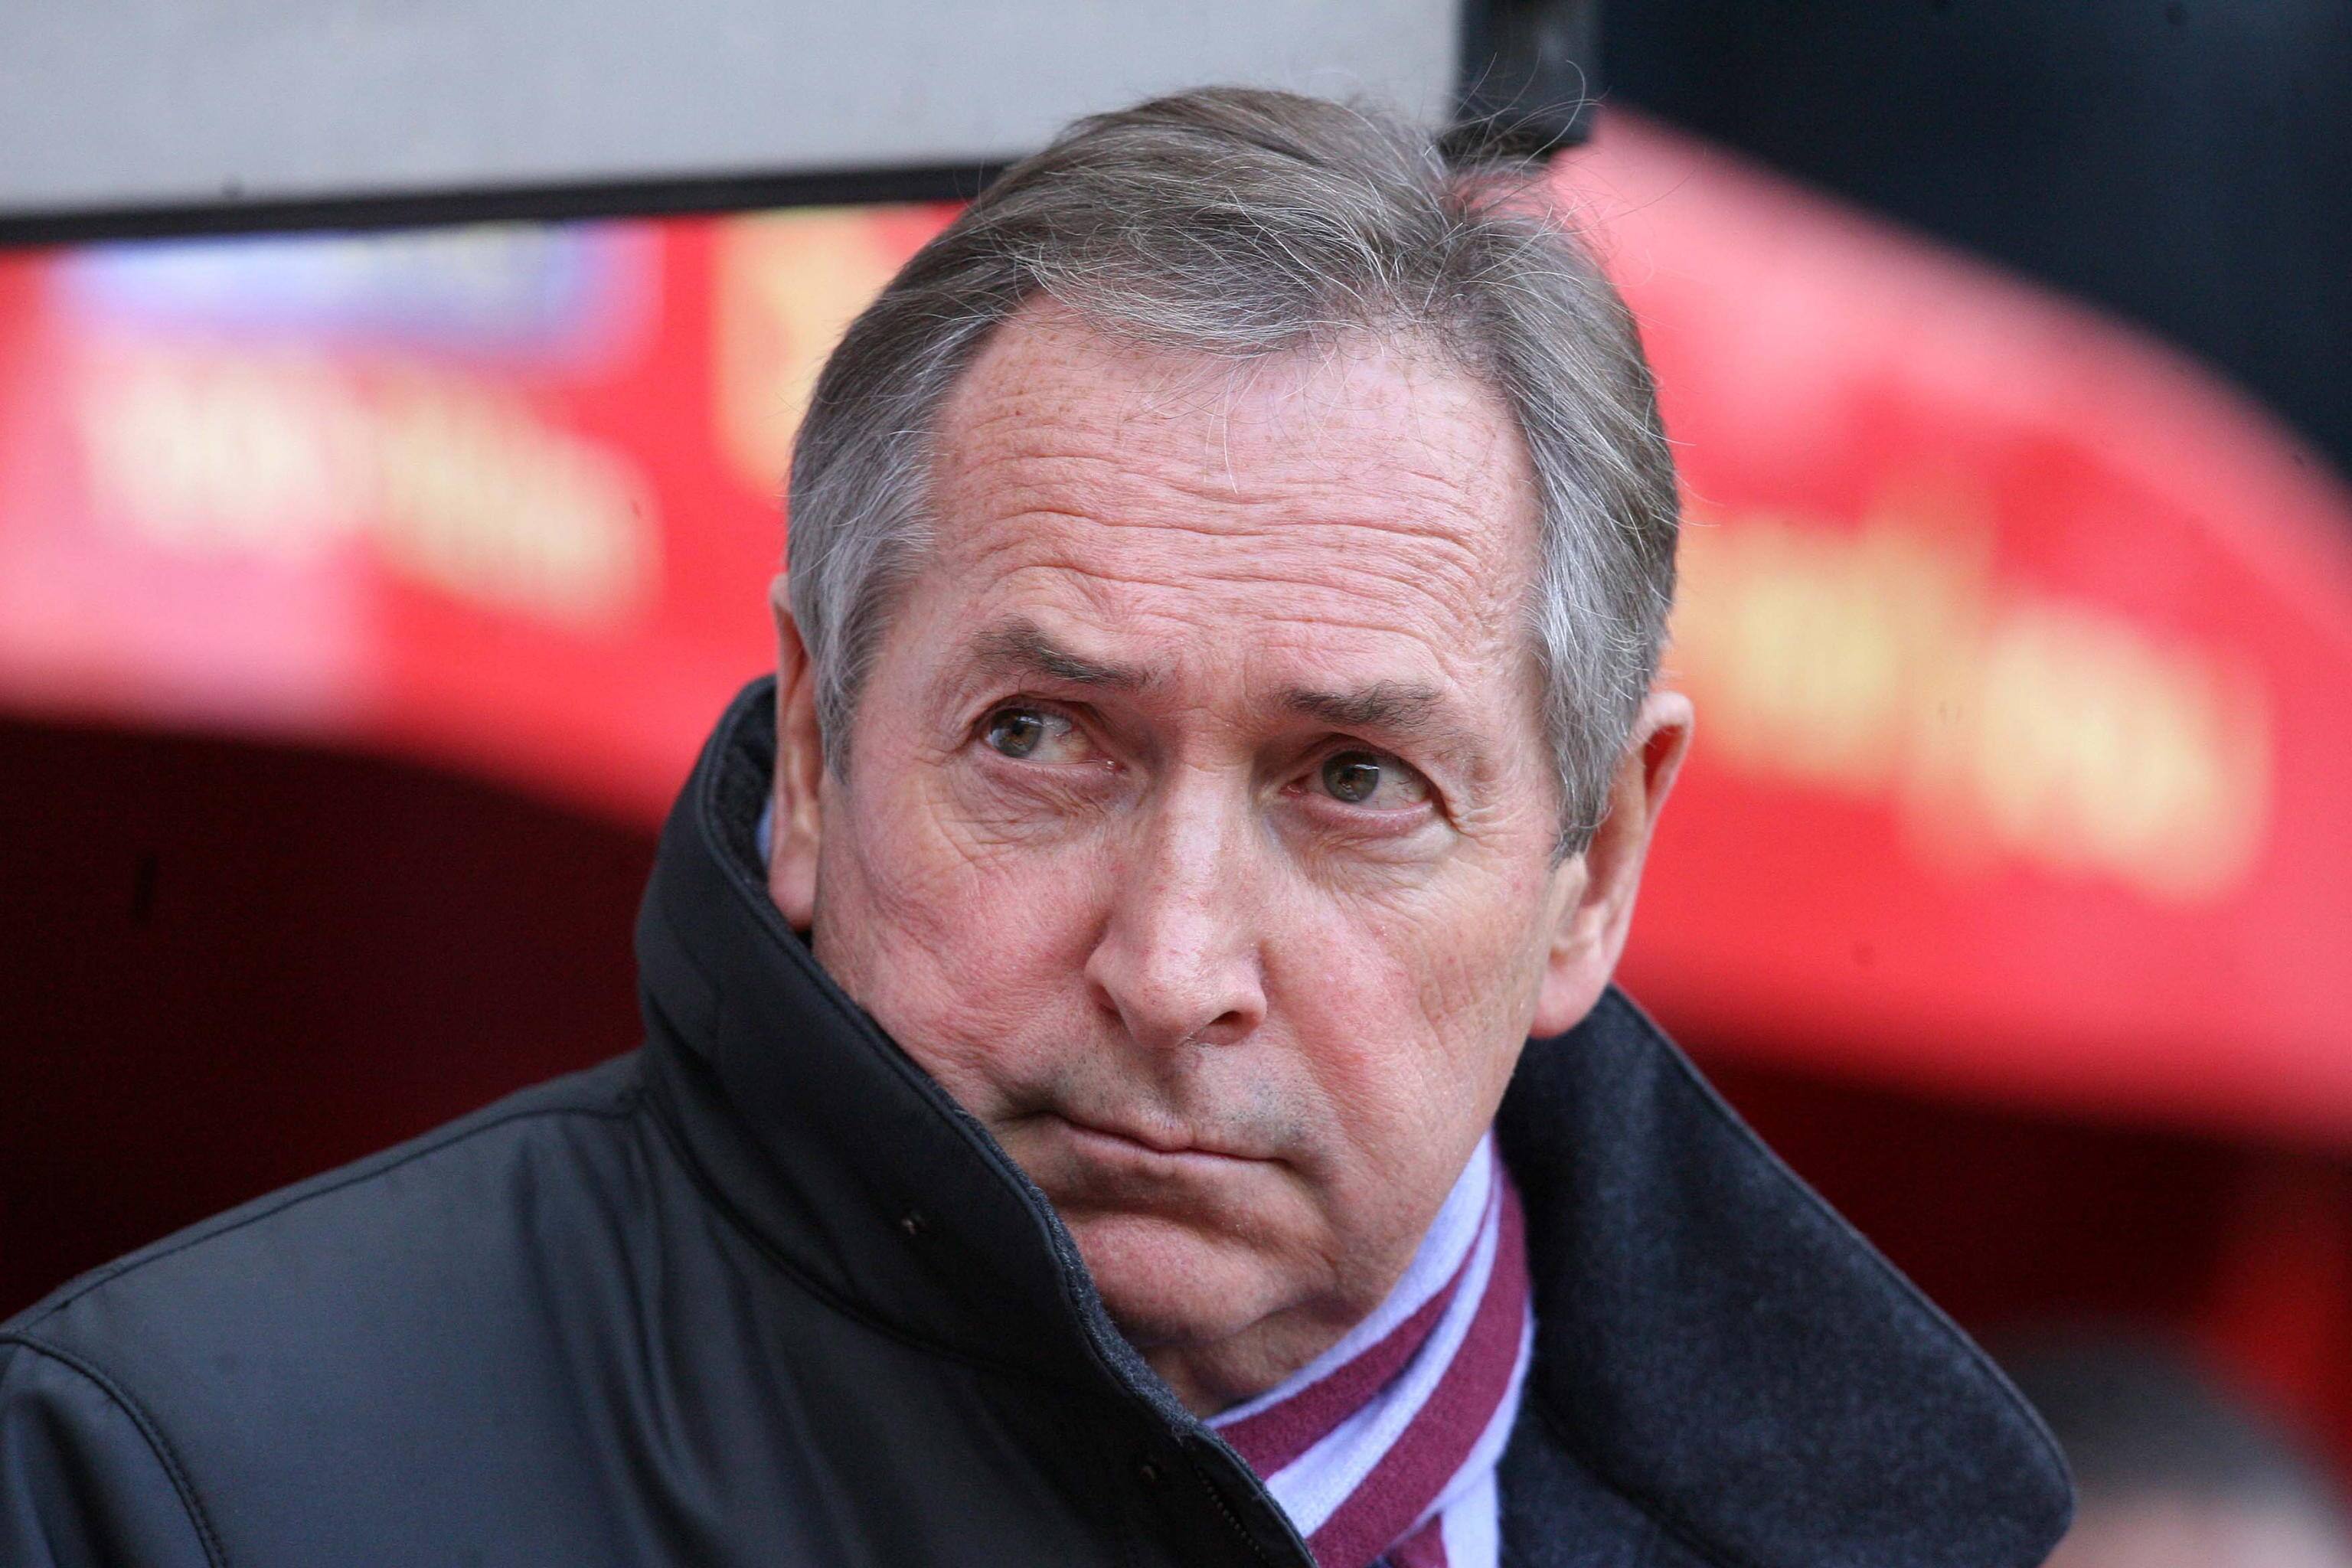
1121, 1140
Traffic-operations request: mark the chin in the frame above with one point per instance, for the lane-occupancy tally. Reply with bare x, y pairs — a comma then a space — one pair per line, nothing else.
1166, 1284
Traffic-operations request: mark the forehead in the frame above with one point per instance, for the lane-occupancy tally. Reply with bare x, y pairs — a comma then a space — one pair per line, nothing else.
1327, 501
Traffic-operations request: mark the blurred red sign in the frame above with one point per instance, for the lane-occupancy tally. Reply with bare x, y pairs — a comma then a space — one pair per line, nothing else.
2023, 655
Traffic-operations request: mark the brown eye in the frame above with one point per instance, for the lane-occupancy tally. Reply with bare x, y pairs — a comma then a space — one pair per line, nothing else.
1373, 780
1351, 776
1015, 731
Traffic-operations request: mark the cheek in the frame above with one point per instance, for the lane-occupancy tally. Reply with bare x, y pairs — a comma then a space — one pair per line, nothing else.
957, 943
1414, 1010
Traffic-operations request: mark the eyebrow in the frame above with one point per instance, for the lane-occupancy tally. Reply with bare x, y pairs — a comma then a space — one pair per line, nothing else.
1384, 705
1397, 707
1405, 710
1017, 645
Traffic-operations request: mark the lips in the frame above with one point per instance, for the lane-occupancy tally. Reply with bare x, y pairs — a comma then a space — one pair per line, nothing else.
1137, 1142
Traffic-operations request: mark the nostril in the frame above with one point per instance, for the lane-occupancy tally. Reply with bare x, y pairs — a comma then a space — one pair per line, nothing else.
1221, 1030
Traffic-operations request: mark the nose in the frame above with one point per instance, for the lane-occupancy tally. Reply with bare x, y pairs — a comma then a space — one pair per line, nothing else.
1179, 955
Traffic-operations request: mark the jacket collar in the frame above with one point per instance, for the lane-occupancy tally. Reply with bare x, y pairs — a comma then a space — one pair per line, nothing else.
1713, 1342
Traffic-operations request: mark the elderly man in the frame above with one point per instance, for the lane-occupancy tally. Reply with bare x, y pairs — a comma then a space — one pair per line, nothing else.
1087, 1112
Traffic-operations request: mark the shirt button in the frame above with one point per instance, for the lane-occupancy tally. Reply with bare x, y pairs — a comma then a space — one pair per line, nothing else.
913, 1223
1148, 1472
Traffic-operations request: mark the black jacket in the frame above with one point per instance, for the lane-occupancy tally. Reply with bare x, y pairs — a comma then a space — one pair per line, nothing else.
762, 1294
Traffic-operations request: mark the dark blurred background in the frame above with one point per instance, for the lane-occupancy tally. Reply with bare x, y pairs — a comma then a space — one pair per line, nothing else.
2187, 163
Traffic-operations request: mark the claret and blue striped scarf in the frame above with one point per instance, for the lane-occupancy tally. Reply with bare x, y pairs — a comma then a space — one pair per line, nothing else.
1382, 1450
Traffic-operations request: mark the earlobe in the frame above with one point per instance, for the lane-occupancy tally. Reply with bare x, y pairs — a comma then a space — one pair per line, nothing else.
794, 829
1597, 888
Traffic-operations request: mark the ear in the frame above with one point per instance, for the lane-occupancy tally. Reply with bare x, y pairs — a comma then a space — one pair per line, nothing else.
1596, 887
800, 772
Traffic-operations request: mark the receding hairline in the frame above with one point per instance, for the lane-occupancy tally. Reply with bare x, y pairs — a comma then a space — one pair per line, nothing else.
1186, 369
1504, 493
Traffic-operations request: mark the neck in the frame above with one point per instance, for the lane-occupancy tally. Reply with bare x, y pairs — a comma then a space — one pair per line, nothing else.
1214, 1376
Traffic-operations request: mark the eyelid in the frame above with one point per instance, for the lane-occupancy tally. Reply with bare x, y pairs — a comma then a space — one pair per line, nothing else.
1065, 724
1043, 707
1431, 795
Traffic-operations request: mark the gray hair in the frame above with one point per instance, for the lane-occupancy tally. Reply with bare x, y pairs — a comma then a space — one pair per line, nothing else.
1246, 224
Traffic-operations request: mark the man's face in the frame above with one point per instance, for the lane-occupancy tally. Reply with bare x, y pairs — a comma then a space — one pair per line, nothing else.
1198, 818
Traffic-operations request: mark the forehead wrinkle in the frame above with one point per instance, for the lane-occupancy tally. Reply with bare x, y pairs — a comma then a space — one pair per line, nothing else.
1002, 493
1040, 454
1198, 490
1022, 457
1205, 597
1264, 546
1281, 572
1054, 465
